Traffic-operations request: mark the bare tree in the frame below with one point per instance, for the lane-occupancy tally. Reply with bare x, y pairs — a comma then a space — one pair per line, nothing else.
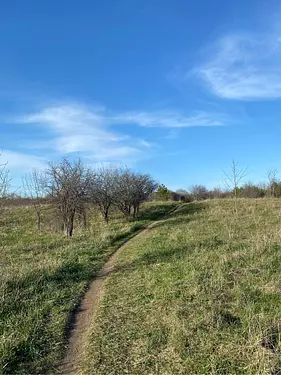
82, 214
102, 188
249, 190
142, 186
272, 181
67, 185
234, 178
35, 187
199, 192
123, 198
119, 187
131, 190
5, 180
216, 193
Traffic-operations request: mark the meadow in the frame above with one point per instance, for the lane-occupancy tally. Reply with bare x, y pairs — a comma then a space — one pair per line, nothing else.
200, 293
43, 276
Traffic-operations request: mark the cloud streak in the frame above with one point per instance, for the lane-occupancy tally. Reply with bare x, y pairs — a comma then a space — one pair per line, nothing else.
74, 128
167, 119
22, 161
243, 67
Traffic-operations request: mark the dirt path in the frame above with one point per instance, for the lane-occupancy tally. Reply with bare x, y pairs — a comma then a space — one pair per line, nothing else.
79, 328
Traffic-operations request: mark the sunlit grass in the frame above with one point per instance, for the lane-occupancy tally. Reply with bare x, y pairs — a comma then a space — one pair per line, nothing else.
43, 276
198, 294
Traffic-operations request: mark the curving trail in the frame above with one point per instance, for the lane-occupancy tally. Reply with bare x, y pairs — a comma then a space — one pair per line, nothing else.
79, 330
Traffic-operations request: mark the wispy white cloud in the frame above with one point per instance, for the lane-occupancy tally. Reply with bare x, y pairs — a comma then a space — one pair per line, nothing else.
73, 127
145, 144
22, 161
243, 66
170, 119
96, 134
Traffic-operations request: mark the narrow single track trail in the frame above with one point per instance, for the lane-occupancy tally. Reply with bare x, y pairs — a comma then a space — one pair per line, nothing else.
81, 322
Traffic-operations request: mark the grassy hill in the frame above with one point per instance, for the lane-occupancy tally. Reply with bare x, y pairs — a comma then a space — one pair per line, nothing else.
43, 276
198, 294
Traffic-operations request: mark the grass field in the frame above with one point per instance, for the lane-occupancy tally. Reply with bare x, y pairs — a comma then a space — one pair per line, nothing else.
198, 294
43, 276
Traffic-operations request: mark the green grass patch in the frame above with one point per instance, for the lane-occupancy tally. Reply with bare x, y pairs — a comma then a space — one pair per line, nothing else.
43, 276
200, 293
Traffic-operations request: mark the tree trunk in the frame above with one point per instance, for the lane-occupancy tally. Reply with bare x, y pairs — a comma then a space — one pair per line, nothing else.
69, 226
136, 210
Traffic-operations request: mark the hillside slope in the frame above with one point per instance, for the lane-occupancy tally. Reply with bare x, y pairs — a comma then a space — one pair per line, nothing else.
199, 294
44, 275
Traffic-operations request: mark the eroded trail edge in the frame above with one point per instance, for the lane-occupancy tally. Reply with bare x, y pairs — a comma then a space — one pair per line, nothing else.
80, 326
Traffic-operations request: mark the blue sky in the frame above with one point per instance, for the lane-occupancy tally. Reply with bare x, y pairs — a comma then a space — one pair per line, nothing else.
175, 88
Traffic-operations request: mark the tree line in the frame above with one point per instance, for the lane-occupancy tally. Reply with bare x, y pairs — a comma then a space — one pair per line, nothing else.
69, 185
200, 192
234, 187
